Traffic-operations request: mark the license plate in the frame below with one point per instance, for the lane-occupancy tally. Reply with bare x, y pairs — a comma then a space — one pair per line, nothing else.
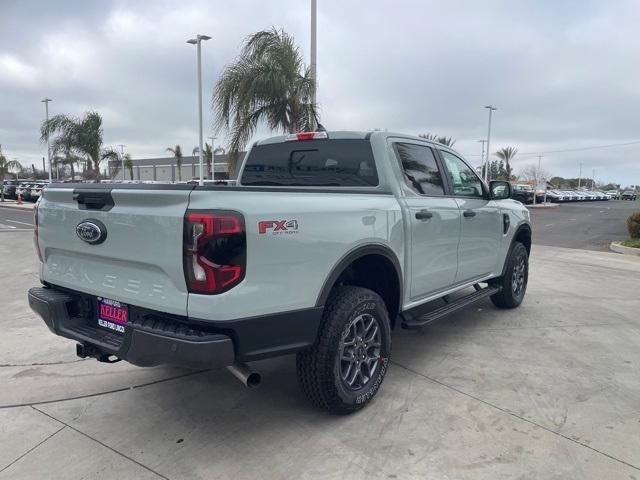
112, 314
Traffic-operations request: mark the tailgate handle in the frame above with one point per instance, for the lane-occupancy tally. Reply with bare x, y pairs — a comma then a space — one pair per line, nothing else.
93, 200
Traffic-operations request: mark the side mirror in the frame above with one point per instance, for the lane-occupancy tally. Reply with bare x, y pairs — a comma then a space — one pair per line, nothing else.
499, 190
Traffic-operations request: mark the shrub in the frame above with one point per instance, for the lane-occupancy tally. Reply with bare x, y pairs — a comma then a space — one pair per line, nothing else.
635, 243
633, 224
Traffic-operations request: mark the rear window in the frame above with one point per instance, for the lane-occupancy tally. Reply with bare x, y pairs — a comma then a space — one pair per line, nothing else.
312, 163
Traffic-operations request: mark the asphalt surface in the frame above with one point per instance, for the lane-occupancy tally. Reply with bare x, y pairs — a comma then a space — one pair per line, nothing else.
12, 219
583, 225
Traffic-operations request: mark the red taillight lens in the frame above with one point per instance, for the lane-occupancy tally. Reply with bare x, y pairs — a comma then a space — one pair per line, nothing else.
35, 231
214, 250
301, 136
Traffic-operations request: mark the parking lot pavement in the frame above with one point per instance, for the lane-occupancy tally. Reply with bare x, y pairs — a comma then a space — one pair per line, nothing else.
549, 390
584, 225
12, 220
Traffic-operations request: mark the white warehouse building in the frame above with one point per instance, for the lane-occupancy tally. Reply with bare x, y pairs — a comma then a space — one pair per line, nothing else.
165, 169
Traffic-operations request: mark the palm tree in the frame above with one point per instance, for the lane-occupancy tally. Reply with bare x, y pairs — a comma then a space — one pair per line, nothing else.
447, 141
128, 165
5, 167
506, 154
177, 153
268, 82
208, 156
82, 136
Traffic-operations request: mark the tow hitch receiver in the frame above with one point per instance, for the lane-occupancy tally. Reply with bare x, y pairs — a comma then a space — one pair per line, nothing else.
86, 350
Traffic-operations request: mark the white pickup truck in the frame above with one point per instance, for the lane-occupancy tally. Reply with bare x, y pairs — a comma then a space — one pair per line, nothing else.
328, 241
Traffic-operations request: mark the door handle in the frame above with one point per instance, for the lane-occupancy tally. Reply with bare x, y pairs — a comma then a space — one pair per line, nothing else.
469, 213
424, 215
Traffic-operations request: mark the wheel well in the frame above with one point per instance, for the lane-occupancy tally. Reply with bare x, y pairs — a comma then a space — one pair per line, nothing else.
378, 273
524, 236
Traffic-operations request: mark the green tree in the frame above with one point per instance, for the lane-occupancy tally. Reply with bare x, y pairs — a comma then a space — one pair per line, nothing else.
81, 136
117, 162
128, 165
506, 154
447, 141
177, 153
208, 156
6, 166
268, 82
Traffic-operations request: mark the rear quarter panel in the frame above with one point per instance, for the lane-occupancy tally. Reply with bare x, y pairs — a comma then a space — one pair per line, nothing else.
286, 270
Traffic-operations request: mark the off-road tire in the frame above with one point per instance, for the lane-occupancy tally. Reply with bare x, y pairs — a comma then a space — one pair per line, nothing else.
321, 368
511, 296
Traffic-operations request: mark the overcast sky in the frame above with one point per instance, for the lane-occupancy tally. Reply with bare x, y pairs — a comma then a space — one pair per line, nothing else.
563, 74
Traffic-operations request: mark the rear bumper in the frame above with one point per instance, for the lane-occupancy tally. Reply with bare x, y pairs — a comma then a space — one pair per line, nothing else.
153, 338
148, 343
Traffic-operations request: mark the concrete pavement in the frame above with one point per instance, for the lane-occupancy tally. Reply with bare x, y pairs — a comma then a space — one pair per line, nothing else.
549, 390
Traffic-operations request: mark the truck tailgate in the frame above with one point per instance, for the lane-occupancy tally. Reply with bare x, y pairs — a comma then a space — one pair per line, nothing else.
140, 260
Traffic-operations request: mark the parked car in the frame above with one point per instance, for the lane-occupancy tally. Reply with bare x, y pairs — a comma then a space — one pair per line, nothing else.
552, 196
522, 193
36, 191
327, 242
9, 188
24, 190
629, 195
613, 194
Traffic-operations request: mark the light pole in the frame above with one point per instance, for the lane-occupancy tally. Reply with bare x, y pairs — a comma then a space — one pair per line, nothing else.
486, 170
122, 159
483, 141
314, 45
213, 159
46, 109
580, 177
538, 175
197, 41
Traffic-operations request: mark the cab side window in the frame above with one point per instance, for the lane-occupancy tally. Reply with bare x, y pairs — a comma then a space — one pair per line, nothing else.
420, 169
465, 182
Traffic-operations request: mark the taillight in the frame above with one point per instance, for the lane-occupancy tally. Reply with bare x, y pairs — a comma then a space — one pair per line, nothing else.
35, 230
214, 250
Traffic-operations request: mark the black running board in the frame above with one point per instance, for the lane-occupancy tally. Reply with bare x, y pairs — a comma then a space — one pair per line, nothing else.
451, 307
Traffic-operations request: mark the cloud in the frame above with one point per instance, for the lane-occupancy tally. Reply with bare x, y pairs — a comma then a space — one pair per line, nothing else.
562, 74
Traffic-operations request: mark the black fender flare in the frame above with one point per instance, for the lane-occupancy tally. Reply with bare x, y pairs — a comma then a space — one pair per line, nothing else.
524, 227
351, 256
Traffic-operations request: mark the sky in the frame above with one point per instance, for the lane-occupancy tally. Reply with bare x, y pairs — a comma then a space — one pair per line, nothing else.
564, 75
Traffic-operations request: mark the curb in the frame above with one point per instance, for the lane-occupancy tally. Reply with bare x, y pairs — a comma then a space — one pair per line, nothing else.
546, 205
618, 248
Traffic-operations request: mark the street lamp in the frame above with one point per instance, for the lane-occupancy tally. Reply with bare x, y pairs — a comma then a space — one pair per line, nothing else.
213, 159
46, 109
122, 159
486, 170
197, 41
314, 49
483, 141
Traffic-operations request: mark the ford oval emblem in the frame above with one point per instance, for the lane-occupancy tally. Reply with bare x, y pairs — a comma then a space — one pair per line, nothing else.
91, 231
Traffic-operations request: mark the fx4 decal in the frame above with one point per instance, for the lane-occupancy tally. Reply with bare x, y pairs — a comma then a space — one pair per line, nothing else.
278, 227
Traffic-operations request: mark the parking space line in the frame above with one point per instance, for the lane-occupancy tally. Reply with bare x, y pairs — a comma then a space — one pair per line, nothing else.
19, 222
3, 226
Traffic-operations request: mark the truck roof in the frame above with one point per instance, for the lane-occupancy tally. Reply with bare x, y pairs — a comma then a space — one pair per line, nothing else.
354, 134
